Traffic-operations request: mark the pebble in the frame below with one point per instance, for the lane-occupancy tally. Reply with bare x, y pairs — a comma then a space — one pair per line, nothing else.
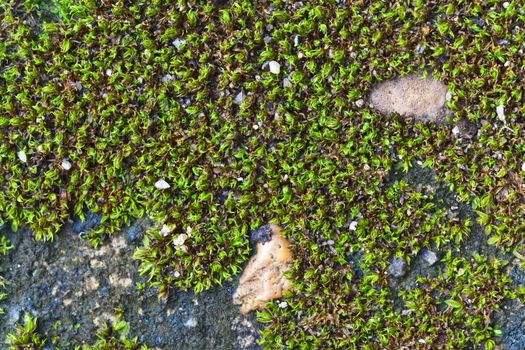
239, 99
500, 111
22, 156
275, 67
162, 185
523, 166
398, 267
167, 78
360, 103
178, 42
353, 226
430, 257
66, 164
109, 72
191, 322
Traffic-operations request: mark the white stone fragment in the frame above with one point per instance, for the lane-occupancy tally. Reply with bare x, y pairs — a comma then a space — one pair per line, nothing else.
360, 103
180, 239
353, 226
165, 230
523, 166
275, 67
191, 323
500, 111
22, 156
162, 185
178, 43
506, 4
109, 72
167, 78
455, 131
66, 164
239, 99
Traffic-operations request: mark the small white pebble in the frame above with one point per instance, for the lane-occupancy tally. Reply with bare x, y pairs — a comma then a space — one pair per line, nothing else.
162, 185
180, 239
239, 98
500, 111
22, 156
353, 226
275, 67
176, 274
360, 103
255, 126
448, 96
330, 242
523, 166
178, 43
109, 72
66, 164
40, 148
455, 131
287, 83
506, 4
283, 304
191, 322
167, 78
165, 230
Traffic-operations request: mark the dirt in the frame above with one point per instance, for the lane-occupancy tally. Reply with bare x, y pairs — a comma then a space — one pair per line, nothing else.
413, 96
74, 288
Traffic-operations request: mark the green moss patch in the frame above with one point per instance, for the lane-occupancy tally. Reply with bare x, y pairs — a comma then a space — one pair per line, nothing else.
168, 109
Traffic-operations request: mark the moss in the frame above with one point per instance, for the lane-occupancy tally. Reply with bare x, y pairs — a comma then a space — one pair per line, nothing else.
132, 93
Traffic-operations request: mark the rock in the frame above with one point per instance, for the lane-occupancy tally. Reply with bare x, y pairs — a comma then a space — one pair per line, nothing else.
263, 278
398, 267
523, 166
178, 43
500, 111
360, 103
134, 234
167, 78
162, 185
412, 96
91, 221
275, 67
22, 156
262, 235
66, 164
430, 257
239, 99
190, 322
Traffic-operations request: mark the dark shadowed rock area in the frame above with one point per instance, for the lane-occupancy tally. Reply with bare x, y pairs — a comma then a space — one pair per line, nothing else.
74, 288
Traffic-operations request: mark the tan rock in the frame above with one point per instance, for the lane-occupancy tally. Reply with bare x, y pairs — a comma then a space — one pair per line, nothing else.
414, 96
263, 279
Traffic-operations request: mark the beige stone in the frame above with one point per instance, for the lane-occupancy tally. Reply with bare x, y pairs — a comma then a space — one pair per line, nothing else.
413, 96
263, 278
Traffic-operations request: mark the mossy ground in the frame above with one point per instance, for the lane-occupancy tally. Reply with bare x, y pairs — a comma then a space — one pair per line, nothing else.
133, 92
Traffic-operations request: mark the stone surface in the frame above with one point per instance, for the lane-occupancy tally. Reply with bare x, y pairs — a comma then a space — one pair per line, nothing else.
263, 278
398, 267
413, 96
67, 280
275, 67
430, 257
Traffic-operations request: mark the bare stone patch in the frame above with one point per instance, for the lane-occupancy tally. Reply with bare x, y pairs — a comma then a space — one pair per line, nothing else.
263, 279
412, 96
